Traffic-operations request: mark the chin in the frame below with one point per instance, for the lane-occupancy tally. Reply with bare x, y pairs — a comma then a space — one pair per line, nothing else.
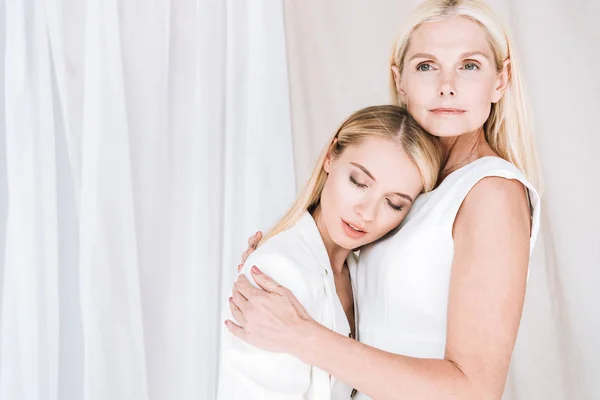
443, 127
347, 243
446, 131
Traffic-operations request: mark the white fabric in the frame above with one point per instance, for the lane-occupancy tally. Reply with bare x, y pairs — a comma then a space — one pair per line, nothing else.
403, 281
29, 356
297, 259
338, 60
136, 142
204, 88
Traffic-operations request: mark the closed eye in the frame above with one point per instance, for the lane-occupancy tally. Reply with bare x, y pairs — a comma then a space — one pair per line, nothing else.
394, 206
356, 183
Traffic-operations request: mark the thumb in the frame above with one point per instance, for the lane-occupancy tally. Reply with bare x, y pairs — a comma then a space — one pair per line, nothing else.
263, 280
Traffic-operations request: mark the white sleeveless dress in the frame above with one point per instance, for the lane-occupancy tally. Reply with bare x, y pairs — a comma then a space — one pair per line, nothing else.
403, 280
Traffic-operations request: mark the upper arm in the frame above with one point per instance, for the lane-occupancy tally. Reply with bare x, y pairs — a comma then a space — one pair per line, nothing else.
487, 284
286, 272
276, 372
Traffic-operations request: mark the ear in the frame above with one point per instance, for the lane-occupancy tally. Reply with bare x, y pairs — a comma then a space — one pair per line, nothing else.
398, 83
328, 158
502, 82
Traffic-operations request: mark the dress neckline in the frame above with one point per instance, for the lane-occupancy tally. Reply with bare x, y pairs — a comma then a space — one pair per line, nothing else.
462, 168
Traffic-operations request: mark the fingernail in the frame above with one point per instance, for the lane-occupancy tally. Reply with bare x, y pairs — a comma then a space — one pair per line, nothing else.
255, 269
225, 322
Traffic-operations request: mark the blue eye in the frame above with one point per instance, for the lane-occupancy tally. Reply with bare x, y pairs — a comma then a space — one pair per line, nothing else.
471, 66
354, 181
424, 67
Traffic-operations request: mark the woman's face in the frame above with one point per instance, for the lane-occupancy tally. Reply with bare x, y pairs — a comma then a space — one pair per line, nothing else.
449, 79
369, 189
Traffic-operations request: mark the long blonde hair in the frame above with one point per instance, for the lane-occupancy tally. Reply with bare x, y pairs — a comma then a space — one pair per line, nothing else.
389, 122
508, 130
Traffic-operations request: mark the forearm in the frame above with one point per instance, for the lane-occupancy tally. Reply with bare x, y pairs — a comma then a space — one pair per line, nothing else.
383, 375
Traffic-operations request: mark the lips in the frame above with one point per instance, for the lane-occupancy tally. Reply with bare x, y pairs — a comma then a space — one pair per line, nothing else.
447, 111
352, 230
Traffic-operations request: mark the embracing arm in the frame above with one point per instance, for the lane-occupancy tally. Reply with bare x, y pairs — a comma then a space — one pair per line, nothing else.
487, 288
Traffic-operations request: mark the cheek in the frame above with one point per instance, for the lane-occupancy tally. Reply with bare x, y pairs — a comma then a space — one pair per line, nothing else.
419, 93
388, 220
479, 92
480, 105
338, 194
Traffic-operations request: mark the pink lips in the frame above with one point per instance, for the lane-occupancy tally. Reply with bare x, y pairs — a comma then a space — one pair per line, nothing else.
447, 111
352, 232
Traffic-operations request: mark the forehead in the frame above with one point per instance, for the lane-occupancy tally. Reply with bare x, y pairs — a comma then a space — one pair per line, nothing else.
380, 156
453, 35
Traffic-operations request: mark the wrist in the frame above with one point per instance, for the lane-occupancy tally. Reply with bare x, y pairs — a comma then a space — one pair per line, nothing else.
308, 336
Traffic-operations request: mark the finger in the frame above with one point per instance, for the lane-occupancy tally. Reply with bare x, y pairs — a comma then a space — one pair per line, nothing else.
244, 256
259, 237
239, 267
265, 281
237, 314
247, 253
240, 301
246, 289
236, 330
252, 240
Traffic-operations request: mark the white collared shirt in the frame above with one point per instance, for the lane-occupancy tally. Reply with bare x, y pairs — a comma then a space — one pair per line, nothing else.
298, 260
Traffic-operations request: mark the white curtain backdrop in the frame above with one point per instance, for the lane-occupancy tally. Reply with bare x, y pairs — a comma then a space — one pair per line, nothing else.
143, 141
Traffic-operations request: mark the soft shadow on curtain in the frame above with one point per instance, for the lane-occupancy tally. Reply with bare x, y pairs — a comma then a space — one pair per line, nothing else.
144, 141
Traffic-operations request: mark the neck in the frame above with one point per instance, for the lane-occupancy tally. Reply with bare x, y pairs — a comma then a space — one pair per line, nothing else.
337, 254
463, 149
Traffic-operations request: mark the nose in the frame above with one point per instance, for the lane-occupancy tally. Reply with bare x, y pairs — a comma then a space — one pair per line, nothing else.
366, 209
447, 85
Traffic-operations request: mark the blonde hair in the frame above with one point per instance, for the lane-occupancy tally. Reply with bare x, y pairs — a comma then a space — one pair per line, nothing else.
508, 129
388, 122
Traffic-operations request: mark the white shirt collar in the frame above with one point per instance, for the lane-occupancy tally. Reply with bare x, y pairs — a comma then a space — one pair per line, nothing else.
310, 232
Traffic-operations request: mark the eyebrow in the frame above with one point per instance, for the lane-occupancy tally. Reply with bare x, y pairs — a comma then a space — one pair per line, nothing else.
463, 55
366, 171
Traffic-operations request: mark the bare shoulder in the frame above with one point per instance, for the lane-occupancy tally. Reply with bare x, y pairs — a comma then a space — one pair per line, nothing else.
493, 190
497, 185
494, 203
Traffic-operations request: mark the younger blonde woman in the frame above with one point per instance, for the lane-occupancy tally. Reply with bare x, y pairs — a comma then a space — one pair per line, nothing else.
440, 300
363, 185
